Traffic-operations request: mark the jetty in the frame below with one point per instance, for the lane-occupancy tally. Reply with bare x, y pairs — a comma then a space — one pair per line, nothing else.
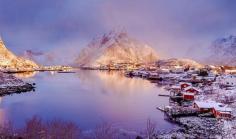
161, 109
174, 112
163, 95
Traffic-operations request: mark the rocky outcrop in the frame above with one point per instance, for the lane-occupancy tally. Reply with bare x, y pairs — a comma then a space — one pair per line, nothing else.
10, 61
10, 84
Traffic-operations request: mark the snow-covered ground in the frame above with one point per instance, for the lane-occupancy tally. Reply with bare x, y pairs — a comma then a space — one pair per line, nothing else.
9, 80
10, 84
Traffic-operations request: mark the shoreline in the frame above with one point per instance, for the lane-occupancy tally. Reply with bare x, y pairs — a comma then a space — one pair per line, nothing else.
203, 127
189, 126
18, 89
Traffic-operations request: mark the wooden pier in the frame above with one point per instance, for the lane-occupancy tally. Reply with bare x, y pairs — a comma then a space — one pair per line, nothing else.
161, 109
175, 112
163, 95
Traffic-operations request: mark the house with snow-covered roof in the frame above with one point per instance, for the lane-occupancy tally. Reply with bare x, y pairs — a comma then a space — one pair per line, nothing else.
185, 85
188, 96
227, 80
191, 89
219, 110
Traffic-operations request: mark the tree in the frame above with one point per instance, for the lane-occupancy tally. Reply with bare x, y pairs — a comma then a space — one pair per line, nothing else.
150, 129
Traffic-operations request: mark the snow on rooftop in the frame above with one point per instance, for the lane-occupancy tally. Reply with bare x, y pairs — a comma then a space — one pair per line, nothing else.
175, 87
205, 104
185, 83
191, 87
212, 104
186, 93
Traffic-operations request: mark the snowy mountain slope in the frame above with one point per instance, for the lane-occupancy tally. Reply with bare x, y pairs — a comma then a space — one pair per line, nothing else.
224, 51
179, 62
115, 48
10, 61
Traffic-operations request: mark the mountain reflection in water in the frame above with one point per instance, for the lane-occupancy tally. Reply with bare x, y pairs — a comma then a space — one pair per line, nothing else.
24, 75
89, 98
114, 82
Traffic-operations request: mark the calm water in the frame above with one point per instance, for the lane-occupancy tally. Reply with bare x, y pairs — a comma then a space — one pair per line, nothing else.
88, 98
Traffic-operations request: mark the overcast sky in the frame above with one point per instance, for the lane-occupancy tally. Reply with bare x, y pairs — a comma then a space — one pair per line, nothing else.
175, 28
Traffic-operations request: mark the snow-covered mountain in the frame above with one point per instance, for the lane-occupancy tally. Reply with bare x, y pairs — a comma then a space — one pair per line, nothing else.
179, 62
223, 51
115, 48
10, 61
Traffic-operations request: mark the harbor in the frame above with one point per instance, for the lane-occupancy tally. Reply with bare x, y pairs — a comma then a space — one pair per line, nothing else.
203, 93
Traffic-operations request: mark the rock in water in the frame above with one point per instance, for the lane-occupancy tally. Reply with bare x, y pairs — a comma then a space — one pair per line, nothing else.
10, 61
115, 48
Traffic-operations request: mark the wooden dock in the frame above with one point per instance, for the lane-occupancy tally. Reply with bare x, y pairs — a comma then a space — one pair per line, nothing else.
161, 109
181, 112
163, 95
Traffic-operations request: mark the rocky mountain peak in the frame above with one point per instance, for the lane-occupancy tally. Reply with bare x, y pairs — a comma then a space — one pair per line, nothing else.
8, 60
115, 47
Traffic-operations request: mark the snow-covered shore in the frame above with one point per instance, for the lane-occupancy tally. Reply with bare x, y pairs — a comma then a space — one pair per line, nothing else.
10, 84
202, 85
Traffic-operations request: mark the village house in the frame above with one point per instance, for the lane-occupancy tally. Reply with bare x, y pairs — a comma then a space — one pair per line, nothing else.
221, 111
191, 89
218, 110
185, 85
188, 96
204, 107
227, 80
163, 70
177, 69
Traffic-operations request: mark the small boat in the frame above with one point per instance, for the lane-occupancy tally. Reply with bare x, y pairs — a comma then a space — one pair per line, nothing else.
161, 109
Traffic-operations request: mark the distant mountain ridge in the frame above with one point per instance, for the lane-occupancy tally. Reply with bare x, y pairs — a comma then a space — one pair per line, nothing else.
223, 51
115, 48
179, 62
8, 60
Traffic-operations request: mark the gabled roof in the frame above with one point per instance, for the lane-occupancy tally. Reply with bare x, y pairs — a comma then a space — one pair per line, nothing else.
212, 104
185, 83
175, 87
186, 93
222, 108
207, 104
191, 87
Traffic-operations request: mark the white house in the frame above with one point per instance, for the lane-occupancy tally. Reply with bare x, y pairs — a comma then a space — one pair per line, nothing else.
227, 80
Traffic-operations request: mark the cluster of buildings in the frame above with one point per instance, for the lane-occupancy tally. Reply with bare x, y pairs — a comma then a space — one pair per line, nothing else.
205, 89
218, 110
54, 68
188, 93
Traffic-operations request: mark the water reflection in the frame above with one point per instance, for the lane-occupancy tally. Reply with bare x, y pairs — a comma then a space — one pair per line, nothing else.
2, 116
114, 82
24, 75
89, 98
